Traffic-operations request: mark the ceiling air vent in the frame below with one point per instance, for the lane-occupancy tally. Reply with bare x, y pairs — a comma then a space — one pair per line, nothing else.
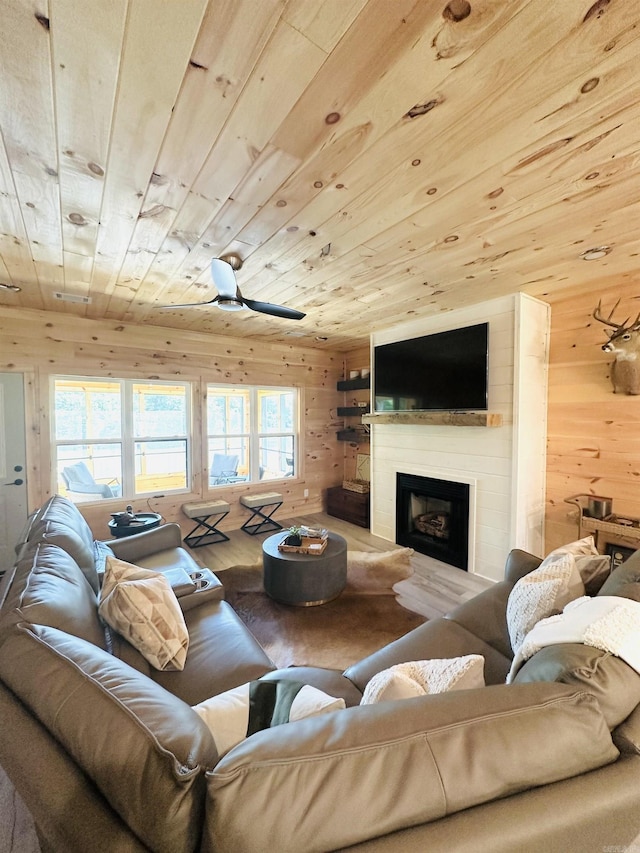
71, 297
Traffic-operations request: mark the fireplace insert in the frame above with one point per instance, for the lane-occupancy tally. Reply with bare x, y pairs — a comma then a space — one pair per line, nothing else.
432, 517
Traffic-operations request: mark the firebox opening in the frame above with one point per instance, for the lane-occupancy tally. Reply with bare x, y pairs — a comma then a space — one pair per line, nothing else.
432, 516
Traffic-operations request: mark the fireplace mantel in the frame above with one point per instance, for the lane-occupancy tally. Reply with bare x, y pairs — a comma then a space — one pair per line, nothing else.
465, 419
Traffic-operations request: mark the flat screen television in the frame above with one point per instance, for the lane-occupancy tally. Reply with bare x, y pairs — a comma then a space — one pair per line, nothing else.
446, 371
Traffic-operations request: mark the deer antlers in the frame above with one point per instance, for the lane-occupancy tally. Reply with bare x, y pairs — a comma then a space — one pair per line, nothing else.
619, 327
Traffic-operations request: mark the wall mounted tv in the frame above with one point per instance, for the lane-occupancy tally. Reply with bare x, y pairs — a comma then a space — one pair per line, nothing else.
447, 371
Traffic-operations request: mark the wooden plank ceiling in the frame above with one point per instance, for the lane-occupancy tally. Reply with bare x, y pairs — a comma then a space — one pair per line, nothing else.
369, 160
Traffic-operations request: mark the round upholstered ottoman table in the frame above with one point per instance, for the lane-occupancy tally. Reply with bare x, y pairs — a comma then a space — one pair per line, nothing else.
304, 580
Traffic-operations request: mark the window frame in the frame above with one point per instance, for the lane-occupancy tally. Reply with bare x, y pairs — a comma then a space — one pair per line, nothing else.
127, 440
253, 437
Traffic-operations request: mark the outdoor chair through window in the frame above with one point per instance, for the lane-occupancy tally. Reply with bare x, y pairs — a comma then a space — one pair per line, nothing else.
81, 485
224, 469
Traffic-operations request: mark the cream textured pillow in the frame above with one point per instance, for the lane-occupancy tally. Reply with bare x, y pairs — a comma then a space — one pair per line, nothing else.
141, 606
422, 677
579, 548
234, 715
594, 568
542, 593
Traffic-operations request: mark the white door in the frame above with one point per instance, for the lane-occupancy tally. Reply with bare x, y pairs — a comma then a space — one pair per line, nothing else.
13, 481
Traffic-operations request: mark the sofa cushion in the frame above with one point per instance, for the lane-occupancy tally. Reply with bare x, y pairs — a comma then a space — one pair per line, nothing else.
438, 638
235, 714
624, 580
223, 654
61, 523
519, 563
141, 606
398, 765
423, 677
49, 588
541, 593
627, 736
613, 682
485, 616
145, 749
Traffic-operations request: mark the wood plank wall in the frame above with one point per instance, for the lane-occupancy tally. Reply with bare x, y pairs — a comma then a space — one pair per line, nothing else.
41, 344
593, 434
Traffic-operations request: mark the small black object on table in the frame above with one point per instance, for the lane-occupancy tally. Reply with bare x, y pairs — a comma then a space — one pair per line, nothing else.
140, 521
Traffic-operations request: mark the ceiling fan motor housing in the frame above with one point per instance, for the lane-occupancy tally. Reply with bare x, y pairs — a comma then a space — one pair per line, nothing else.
229, 304
234, 261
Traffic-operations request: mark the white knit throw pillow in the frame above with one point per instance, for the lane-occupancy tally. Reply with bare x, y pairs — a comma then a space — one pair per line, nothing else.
422, 677
542, 593
227, 714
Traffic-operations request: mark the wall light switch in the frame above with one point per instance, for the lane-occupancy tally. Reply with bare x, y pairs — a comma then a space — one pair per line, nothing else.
306, 493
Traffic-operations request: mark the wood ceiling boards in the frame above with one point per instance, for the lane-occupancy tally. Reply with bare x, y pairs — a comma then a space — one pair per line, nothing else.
370, 160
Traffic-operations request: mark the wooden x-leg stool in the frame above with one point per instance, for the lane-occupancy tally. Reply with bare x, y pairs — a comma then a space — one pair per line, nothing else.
201, 513
257, 504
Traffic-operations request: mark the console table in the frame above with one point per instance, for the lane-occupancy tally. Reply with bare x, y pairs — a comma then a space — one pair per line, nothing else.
622, 531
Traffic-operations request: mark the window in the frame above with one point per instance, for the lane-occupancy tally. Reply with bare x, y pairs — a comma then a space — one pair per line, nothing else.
120, 437
252, 433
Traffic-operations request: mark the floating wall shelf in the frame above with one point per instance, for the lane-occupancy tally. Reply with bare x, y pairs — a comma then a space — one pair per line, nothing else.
351, 411
353, 384
473, 419
354, 435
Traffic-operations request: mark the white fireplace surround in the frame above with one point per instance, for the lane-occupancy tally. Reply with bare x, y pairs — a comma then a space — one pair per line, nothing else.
503, 466
419, 471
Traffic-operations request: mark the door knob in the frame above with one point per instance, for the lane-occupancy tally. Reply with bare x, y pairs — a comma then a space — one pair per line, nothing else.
16, 482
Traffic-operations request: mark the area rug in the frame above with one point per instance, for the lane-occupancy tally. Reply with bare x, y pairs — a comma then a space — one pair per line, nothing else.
365, 617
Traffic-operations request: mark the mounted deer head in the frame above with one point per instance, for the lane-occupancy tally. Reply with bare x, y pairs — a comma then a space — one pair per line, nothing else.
624, 342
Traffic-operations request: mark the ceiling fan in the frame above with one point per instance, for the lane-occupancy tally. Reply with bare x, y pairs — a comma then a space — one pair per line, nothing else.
229, 297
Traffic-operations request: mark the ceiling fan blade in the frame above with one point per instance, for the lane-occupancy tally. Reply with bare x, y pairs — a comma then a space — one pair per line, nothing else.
274, 310
224, 278
191, 304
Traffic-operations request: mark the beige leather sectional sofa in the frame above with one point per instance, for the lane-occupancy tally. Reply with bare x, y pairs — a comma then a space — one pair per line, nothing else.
109, 754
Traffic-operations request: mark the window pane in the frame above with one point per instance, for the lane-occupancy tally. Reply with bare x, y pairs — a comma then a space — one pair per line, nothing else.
228, 461
258, 425
228, 411
90, 472
276, 411
90, 410
276, 457
160, 465
159, 410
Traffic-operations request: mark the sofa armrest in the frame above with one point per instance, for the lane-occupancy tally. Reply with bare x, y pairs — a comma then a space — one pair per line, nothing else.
351, 775
132, 548
520, 563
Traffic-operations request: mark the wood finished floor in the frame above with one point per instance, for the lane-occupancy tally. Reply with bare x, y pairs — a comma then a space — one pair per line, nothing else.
445, 586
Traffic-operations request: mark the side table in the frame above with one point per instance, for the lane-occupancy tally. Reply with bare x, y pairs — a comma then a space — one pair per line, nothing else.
143, 521
304, 580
